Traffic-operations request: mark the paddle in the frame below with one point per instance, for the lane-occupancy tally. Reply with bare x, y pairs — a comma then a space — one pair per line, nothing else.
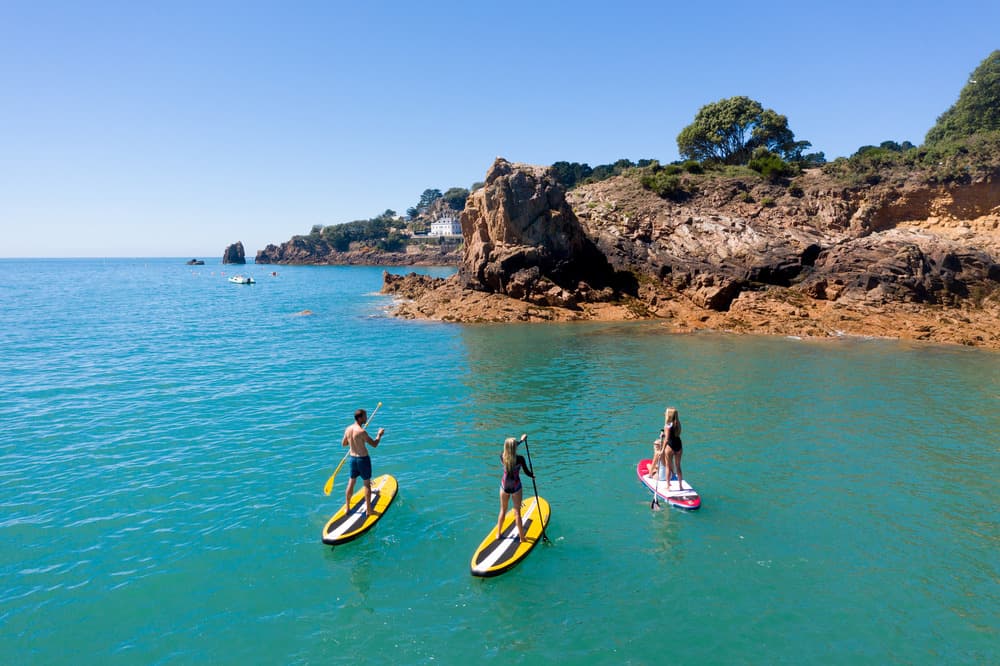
329, 482
654, 504
524, 438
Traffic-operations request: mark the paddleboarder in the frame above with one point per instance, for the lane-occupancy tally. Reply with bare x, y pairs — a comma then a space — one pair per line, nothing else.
674, 447
510, 484
668, 448
356, 437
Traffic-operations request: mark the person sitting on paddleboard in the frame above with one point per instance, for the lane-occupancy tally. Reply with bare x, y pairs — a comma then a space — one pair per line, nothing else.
356, 437
659, 458
510, 484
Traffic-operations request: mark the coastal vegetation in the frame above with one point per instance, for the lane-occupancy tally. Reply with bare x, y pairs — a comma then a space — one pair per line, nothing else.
961, 159
390, 232
454, 198
738, 138
738, 129
977, 108
964, 143
382, 232
571, 174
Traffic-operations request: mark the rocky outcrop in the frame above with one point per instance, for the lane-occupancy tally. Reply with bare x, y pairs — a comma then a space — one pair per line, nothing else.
234, 254
523, 240
900, 266
903, 258
409, 286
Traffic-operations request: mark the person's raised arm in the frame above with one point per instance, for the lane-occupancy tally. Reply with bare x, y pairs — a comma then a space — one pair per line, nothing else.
524, 466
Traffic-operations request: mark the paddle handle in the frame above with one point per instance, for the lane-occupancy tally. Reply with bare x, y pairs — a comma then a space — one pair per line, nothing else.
369, 420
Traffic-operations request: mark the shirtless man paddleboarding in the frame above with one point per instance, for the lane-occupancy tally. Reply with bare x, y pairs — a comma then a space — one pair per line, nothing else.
356, 437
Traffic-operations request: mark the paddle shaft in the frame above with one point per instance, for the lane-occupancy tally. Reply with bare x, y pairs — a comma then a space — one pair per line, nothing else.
538, 505
656, 486
328, 487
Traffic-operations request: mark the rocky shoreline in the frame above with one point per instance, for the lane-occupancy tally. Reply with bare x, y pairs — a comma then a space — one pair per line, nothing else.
906, 260
439, 299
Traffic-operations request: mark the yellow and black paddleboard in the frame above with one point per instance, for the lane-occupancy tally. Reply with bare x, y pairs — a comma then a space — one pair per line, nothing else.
494, 556
351, 522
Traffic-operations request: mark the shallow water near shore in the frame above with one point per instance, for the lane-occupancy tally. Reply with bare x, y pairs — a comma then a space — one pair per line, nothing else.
166, 436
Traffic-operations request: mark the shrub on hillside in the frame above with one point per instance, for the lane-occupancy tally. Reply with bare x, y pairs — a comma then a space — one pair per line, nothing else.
666, 184
771, 166
944, 161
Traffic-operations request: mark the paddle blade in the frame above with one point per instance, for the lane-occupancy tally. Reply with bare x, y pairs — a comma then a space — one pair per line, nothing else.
329, 482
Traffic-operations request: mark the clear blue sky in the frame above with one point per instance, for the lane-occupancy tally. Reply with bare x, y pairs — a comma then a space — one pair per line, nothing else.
144, 129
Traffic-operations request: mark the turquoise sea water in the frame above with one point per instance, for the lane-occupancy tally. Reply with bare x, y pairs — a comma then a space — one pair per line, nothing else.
165, 436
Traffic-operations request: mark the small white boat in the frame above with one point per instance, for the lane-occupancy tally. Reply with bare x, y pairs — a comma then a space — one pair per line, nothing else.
240, 279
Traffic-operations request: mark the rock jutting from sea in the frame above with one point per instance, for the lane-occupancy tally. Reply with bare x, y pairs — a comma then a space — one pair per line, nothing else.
911, 258
234, 254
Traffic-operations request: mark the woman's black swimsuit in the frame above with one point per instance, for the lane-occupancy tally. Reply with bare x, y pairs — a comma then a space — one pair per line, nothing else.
675, 443
510, 483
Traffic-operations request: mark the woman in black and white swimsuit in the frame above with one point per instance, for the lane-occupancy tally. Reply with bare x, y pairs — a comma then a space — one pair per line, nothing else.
510, 483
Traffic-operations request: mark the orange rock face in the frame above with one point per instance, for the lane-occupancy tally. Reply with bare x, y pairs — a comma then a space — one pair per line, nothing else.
905, 260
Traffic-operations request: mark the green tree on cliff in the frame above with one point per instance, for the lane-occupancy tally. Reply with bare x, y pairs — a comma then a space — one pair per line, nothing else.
977, 108
455, 197
428, 197
571, 173
730, 130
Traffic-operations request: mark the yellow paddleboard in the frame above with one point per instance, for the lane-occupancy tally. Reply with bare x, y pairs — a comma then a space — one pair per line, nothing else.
494, 556
351, 522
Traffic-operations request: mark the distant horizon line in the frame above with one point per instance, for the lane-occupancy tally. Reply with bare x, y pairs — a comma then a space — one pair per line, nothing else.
125, 256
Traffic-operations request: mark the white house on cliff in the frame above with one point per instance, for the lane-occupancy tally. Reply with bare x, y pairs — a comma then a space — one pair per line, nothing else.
446, 226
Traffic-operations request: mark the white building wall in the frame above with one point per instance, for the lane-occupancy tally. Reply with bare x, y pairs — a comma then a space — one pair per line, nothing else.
446, 226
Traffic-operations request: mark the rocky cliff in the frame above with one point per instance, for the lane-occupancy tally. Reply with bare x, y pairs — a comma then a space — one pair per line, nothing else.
523, 240
905, 257
907, 242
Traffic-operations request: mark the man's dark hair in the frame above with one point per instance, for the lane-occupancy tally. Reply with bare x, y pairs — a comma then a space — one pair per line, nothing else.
359, 415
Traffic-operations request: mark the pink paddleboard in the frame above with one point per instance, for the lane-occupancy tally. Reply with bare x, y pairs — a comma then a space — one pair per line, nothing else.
682, 496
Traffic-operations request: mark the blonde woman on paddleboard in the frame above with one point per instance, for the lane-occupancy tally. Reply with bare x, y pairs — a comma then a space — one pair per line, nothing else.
510, 484
668, 448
